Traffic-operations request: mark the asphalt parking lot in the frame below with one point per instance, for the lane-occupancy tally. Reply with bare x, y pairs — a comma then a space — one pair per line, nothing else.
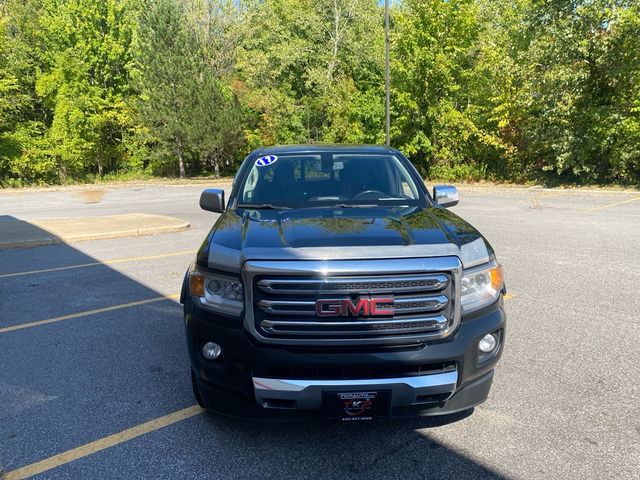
94, 376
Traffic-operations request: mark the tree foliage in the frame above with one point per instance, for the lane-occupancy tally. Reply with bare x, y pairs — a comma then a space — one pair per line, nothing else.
185, 105
311, 71
506, 89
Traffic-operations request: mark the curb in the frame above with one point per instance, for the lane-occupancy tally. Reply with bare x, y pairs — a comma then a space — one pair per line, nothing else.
60, 236
110, 186
540, 188
30, 244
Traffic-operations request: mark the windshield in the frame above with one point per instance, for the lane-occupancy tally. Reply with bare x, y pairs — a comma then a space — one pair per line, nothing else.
319, 179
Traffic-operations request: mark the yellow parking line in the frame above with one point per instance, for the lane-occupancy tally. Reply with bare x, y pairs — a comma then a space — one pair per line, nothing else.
609, 205
106, 262
102, 444
87, 312
508, 296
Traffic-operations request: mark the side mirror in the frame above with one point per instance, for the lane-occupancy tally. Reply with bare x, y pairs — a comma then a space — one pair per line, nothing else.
446, 195
212, 199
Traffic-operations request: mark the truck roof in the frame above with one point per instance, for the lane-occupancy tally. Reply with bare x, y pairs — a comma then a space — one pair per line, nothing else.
323, 147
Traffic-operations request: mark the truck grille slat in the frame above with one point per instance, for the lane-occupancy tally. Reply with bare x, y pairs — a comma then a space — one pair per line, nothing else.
403, 305
350, 285
416, 301
380, 327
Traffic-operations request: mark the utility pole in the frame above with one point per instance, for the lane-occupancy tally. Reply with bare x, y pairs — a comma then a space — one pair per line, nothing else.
387, 73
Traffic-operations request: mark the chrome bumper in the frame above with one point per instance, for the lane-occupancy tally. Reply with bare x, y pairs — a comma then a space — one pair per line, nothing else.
307, 394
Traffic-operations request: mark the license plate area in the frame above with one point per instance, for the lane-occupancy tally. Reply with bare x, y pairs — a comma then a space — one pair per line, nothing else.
355, 406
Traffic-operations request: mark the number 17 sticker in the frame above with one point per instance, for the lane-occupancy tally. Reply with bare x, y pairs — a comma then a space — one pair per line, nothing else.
266, 161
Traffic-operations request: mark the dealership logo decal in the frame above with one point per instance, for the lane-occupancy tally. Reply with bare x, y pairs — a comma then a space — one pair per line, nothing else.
266, 161
357, 404
362, 306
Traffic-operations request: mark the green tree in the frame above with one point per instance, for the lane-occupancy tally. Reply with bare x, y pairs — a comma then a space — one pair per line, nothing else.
71, 60
85, 82
21, 112
312, 71
434, 55
507, 89
190, 111
496, 85
582, 119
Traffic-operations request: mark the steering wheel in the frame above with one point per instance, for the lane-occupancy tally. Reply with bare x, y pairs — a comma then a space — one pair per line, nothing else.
369, 193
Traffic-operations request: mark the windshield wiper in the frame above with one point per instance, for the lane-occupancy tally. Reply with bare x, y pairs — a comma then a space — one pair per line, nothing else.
353, 205
262, 206
347, 205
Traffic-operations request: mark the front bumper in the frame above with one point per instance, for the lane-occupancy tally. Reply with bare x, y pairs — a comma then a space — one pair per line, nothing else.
307, 394
276, 382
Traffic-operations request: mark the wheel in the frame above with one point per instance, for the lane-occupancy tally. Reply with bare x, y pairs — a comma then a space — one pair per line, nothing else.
196, 391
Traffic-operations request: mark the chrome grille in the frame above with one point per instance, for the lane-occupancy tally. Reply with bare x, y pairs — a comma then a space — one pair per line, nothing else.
352, 328
283, 306
354, 285
412, 304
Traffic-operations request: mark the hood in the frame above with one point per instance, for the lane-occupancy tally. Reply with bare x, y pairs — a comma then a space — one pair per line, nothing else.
341, 233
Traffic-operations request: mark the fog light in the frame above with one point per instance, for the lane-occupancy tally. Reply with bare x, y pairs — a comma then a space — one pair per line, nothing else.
488, 343
211, 350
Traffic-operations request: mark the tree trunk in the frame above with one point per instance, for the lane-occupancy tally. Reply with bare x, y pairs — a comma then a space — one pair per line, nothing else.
62, 171
180, 158
181, 165
178, 140
214, 163
336, 39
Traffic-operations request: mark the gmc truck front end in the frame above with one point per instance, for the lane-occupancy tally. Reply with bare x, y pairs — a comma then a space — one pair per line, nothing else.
339, 311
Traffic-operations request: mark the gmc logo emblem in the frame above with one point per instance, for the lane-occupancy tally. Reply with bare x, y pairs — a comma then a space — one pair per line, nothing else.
344, 307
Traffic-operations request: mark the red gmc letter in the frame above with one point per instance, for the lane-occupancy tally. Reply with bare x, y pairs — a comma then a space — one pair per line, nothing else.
361, 308
332, 310
382, 311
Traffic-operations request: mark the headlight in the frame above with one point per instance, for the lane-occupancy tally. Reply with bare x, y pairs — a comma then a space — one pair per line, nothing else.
481, 286
217, 292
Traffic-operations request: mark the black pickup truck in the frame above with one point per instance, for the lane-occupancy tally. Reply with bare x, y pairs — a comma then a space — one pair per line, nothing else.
334, 285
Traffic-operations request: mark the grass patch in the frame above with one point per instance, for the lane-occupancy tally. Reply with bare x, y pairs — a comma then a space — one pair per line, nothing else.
464, 172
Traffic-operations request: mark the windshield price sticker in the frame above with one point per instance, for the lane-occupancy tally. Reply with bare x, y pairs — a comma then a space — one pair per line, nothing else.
266, 161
